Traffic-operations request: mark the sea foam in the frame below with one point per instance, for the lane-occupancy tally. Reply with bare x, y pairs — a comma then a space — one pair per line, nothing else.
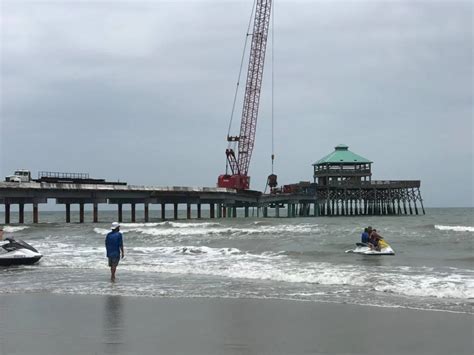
231, 264
455, 228
172, 229
12, 229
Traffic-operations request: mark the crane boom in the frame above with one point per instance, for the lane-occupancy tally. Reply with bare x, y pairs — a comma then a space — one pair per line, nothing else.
240, 165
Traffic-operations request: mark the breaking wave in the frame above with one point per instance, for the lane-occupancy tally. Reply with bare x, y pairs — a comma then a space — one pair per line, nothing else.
282, 258
13, 229
235, 264
455, 228
172, 229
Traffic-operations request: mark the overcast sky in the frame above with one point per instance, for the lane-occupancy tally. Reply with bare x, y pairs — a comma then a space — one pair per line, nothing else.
142, 91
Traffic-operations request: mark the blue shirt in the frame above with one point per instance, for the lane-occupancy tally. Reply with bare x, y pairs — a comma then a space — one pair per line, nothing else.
364, 238
113, 243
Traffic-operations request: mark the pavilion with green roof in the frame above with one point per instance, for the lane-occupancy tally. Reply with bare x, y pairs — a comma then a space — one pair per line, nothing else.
342, 167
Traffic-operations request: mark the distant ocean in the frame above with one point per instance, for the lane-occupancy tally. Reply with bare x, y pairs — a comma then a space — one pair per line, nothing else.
300, 259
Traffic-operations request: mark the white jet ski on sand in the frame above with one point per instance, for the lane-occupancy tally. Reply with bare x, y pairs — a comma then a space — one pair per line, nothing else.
364, 249
18, 252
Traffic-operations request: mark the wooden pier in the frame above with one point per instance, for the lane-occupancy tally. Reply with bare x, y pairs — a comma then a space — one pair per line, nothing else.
370, 198
344, 187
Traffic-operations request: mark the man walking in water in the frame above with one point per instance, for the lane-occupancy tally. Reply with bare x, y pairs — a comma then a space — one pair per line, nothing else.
114, 245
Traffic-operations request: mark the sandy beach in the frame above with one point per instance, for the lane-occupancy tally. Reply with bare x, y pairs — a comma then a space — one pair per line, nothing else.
63, 324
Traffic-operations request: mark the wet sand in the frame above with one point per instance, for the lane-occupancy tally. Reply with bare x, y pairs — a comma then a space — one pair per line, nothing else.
62, 324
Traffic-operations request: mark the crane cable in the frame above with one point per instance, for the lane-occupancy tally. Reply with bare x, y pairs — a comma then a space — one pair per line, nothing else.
273, 83
273, 90
241, 66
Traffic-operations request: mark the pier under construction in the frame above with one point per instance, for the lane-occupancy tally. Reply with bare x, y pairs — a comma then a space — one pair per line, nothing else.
342, 186
374, 198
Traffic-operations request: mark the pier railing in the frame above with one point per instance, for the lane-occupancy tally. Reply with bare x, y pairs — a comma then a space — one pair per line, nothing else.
374, 184
342, 172
59, 175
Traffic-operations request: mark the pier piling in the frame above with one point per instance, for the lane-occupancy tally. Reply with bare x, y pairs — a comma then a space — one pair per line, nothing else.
95, 212
133, 212
35, 213
188, 211
212, 210
146, 212
21, 213
81, 212
7, 213
68, 213
163, 211
120, 212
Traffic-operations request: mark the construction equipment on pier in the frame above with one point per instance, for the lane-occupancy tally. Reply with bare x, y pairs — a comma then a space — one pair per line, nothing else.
24, 175
239, 162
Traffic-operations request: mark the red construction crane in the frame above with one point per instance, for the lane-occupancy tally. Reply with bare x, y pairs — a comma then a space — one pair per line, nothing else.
239, 165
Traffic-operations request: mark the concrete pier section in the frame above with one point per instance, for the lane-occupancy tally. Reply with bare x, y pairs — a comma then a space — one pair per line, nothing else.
82, 195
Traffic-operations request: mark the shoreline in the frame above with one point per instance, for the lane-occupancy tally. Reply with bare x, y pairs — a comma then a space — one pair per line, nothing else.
42, 323
251, 299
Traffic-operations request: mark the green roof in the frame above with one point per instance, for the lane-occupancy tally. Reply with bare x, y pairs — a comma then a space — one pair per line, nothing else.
342, 155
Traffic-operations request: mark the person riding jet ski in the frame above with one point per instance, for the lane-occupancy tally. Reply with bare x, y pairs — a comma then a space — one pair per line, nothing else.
380, 243
364, 238
376, 245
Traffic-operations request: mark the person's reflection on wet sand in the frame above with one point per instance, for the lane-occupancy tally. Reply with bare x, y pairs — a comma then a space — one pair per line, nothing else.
113, 325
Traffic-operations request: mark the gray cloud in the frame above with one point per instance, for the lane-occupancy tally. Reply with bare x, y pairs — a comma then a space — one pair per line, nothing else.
143, 92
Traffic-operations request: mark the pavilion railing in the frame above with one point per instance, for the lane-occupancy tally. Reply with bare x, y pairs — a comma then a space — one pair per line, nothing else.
375, 184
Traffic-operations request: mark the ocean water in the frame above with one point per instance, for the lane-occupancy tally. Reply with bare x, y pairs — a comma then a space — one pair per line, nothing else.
300, 259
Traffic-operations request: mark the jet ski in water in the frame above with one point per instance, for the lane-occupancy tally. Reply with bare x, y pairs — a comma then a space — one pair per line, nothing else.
18, 252
362, 248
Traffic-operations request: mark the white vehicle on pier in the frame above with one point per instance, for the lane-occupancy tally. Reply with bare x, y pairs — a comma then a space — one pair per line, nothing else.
19, 176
